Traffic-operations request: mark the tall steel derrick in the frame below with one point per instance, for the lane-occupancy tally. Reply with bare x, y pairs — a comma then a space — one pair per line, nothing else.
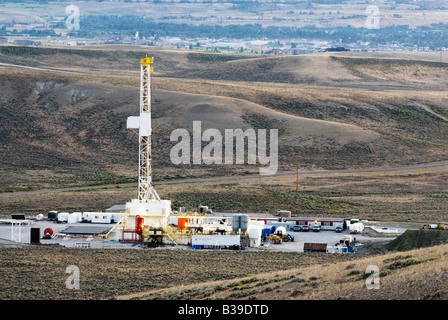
146, 190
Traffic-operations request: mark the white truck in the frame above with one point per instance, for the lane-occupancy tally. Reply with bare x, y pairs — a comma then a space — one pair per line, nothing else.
355, 226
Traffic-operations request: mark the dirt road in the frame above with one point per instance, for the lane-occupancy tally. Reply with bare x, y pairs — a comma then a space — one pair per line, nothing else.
249, 176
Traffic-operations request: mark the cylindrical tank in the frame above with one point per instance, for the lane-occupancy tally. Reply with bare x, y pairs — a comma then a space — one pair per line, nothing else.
139, 224
281, 230
244, 221
236, 222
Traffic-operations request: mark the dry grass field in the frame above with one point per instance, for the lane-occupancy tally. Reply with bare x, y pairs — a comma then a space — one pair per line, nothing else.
106, 273
168, 274
410, 275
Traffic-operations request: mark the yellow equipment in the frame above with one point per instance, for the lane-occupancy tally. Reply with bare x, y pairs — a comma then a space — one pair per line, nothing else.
146, 62
275, 238
439, 226
280, 235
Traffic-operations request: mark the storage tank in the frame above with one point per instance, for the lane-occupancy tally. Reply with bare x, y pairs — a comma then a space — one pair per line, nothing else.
236, 222
139, 224
244, 221
281, 230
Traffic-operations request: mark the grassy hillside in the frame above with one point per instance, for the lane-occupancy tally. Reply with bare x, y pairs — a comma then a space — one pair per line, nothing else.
155, 274
410, 275
410, 196
69, 128
121, 271
413, 239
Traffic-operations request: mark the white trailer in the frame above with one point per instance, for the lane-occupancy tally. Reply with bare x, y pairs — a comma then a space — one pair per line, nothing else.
215, 242
386, 230
86, 216
100, 217
115, 217
63, 216
74, 217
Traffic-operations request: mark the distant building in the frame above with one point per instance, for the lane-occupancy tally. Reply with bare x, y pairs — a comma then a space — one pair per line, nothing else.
336, 49
3, 40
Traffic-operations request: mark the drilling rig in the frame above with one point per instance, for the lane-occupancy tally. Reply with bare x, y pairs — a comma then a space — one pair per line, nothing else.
147, 216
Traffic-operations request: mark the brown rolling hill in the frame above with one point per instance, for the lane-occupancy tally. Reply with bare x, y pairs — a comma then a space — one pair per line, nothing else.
399, 276
65, 128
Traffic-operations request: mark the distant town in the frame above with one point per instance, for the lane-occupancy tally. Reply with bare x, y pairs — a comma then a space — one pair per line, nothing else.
287, 27
252, 46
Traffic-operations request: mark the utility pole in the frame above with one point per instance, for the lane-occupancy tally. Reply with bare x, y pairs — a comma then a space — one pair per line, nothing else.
297, 178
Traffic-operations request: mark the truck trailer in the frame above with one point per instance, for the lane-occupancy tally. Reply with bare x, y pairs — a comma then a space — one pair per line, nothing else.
216, 242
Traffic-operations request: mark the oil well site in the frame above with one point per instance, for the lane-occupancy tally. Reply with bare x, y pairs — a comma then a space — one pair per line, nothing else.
149, 221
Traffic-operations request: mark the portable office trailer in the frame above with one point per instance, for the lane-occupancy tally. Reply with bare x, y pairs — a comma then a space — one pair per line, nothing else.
86, 217
100, 217
288, 225
115, 217
323, 223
